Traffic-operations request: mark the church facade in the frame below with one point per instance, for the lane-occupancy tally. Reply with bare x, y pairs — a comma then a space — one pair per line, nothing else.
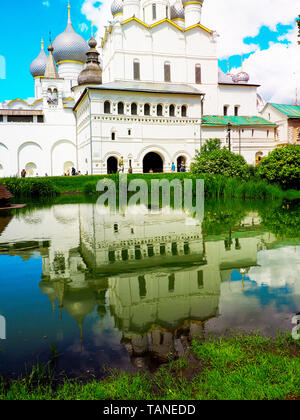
156, 97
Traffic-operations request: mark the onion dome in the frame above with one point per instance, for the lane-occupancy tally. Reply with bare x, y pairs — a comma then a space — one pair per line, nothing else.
241, 77
117, 7
177, 11
69, 46
194, 1
38, 66
92, 73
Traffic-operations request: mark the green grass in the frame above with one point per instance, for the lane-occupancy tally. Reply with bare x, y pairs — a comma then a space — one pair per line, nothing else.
215, 186
240, 367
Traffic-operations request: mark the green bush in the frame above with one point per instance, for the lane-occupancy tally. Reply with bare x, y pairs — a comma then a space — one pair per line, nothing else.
222, 162
282, 166
31, 187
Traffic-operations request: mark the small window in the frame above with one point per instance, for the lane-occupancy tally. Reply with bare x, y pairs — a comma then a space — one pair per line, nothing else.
146, 109
113, 135
129, 132
252, 133
133, 109
142, 286
40, 118
159, 110
268, 132
225, 110
120, 108
198, 74
172, 111
136, 70
106, 107
183, 111
236, 111
167, 68
200, 280
154, 11
171, 283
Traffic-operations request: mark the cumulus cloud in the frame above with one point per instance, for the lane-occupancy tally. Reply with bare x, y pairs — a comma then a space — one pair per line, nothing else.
276, 68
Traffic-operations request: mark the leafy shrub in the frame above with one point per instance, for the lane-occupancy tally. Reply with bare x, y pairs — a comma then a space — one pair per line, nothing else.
282, 166
31, 187
222, 162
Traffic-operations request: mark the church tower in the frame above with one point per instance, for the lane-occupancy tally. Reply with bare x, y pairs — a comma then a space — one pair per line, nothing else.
131, 8
155, 10
192, 11
70, 52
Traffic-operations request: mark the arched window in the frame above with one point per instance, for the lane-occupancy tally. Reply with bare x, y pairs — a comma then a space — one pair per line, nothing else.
113, 135
172, 111
106, 107
159, 110
136, 70
167, 69
198, 73
183, 111
146, 109
153, 11
120, 108
133, 109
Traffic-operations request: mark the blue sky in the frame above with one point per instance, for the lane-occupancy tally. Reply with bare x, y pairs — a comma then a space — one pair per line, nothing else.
262, 37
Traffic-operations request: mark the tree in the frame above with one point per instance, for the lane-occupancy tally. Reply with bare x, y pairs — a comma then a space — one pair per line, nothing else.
210, 145
282, 166
215, 160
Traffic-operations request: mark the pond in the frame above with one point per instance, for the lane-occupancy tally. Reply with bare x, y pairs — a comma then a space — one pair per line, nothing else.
130, 290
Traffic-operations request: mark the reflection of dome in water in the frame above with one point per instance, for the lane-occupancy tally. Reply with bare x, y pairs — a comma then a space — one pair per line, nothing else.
46, 287
79, 303
66, 214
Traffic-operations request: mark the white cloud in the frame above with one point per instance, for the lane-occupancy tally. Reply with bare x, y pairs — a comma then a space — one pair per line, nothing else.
46, 3
277, 68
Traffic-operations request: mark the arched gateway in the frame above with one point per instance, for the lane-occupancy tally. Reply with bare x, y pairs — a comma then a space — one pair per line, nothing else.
153, 163
112, 165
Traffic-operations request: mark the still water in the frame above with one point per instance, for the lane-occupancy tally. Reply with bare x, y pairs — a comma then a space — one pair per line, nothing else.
130, 290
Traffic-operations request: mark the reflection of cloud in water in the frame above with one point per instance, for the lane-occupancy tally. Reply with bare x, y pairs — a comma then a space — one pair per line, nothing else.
278, 268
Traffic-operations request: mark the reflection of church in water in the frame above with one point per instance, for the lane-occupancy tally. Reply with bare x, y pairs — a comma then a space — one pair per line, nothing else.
155, 274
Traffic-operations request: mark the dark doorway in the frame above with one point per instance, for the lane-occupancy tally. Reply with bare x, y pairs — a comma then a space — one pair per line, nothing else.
181, 164
153, 163
112, 165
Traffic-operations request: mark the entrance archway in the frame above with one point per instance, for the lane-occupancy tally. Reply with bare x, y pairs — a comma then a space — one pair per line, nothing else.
181, 162
31, 169
68, 167
258, 158
153, 163
112, 165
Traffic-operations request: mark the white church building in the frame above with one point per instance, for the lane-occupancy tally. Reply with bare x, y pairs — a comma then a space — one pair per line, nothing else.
154, 98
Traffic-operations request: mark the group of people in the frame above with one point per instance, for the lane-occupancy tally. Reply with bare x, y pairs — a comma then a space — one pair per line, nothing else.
73, 172
181, 167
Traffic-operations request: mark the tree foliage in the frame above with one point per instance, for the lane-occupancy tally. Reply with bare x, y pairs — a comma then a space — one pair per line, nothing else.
213, 160
282, 166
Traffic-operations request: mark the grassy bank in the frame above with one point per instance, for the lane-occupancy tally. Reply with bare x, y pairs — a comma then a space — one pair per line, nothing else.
215, 186
241, 367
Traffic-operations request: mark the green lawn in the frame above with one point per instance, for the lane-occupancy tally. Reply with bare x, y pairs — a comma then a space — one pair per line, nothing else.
242, 367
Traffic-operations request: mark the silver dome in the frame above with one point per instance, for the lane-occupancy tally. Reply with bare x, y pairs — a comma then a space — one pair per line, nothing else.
117, 7
38, 66
241, 77
70, 46
177, 11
